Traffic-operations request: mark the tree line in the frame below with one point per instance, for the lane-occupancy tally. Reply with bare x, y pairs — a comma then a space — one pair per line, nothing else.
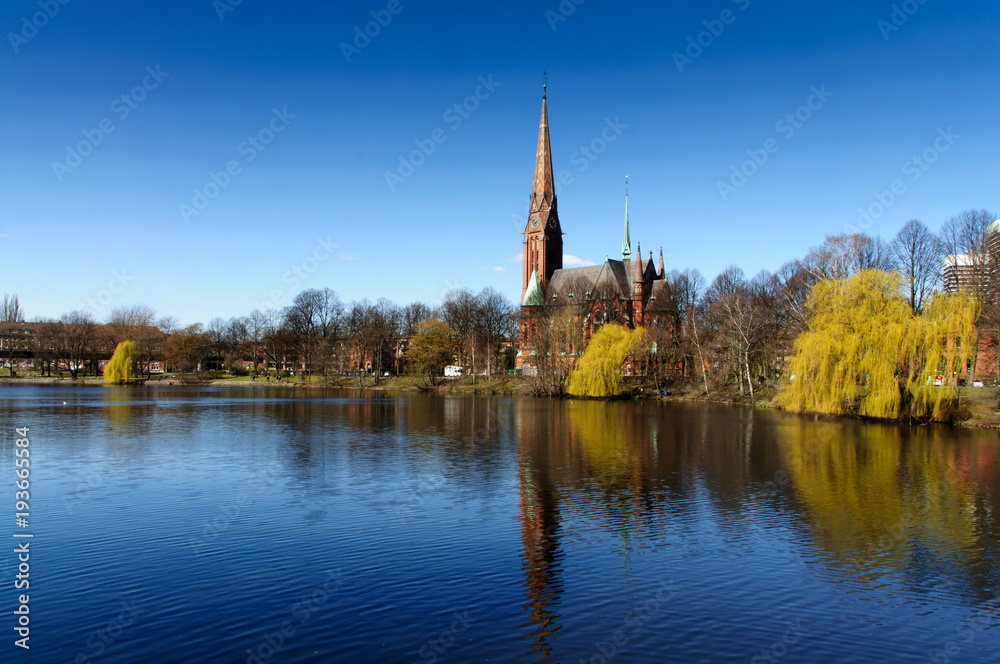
318, 334
743, 327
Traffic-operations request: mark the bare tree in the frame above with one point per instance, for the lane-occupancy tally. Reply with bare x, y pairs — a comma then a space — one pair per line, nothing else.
136, 323
738, 314
75, 339
967, 240
841, 256
256, 329
494, 324
186, 349
918, 256
412, 315
10, 309
168, 325
216, 333
461, 310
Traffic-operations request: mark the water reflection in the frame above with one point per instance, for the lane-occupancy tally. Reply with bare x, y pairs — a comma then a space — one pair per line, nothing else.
875, 505
884, 500
547, 520
540, 523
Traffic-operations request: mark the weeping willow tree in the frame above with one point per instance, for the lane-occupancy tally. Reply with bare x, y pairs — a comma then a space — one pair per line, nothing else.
598, 373
121, 368
865, 352
947, 340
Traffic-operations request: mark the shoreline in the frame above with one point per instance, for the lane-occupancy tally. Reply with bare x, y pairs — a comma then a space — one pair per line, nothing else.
507, 387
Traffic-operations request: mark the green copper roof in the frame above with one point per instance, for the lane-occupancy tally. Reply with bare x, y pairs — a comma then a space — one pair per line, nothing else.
533, 294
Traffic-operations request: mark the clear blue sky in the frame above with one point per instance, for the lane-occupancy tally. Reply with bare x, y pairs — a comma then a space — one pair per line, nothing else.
65, 229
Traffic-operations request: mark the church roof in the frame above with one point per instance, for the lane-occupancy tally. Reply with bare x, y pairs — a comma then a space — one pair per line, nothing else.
533, 294
613, 274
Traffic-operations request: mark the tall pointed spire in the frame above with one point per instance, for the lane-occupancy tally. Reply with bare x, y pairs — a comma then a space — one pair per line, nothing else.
543, 245
638, 263
626, 241
543, 189
660, 272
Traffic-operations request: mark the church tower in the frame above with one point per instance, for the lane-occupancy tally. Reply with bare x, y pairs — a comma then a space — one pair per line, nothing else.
543, 245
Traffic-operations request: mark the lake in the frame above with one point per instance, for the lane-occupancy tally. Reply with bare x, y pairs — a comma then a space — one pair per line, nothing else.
258, 525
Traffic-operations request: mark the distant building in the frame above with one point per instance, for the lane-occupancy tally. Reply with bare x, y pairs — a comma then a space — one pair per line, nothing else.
970, 271
631, 292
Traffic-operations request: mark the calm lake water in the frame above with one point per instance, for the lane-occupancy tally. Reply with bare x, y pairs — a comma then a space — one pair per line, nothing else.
239, 525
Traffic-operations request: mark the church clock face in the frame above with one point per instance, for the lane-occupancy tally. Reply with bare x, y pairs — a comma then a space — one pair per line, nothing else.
552, 222
534, 223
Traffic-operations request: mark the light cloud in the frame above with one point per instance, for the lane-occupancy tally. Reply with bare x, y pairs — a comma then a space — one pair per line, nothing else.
349, 257
518, 258
576, 261
499, 269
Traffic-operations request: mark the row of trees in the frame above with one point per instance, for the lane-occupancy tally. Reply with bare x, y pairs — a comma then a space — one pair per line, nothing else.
745, 327
317, 334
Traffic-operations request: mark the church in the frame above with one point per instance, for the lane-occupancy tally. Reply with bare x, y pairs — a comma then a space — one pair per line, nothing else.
561, 308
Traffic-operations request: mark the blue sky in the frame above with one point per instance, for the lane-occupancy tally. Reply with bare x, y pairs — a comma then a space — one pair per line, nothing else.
162, 97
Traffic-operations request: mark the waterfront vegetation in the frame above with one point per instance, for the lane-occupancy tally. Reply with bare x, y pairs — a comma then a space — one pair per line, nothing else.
859, 326
121, 369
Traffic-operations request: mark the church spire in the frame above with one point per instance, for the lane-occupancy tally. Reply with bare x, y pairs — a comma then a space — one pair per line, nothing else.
543, 245
626, 242
661, 263
543, 189
638, 263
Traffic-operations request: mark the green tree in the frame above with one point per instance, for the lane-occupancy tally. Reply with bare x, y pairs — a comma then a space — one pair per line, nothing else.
865, 351
432, 348
121, 369
598, 373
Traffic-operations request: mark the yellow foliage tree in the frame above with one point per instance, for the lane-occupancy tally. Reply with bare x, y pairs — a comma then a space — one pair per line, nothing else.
598, 373
865, 351
121, 369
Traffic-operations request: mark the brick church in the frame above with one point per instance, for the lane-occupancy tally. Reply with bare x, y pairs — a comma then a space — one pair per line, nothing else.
561, 308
